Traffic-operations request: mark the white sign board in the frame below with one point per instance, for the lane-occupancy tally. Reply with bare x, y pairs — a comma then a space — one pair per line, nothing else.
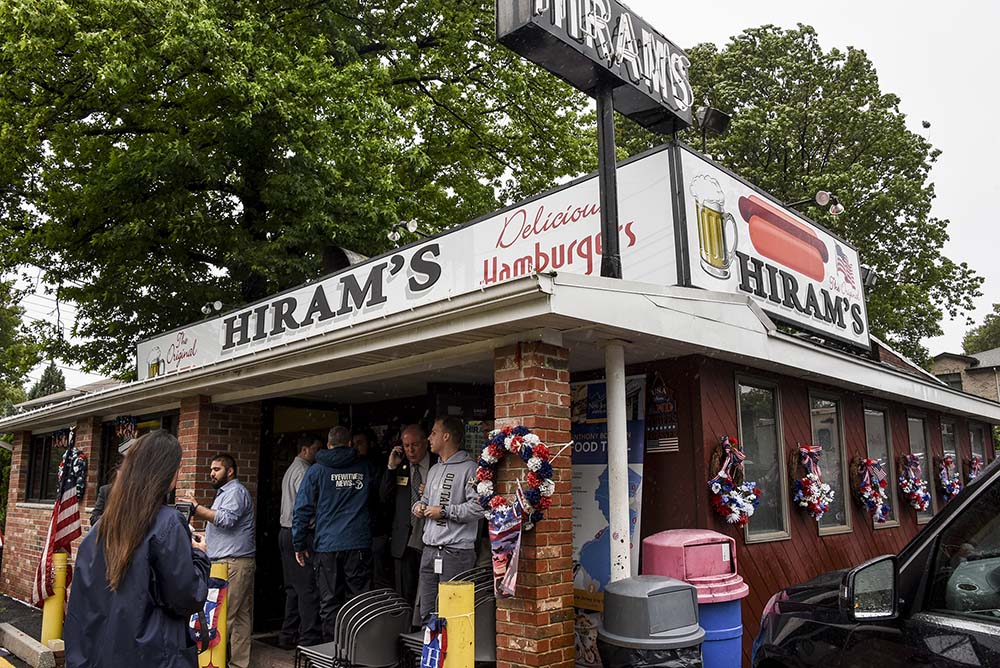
559, 231
742, 241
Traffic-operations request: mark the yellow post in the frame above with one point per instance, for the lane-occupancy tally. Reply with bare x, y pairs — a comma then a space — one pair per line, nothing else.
54, 608
456, 603
216, 656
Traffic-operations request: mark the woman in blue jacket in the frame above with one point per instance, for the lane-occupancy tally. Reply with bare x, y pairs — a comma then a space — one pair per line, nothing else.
139, 574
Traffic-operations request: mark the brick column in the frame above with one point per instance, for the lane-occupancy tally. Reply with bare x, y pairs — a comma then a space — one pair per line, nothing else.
88, 439
535, 628
205, 430
17, 489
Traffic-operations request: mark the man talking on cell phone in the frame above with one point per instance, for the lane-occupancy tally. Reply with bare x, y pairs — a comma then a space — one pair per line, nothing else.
409, 465
450, 508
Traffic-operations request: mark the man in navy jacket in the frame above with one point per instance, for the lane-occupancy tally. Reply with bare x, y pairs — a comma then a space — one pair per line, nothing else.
335, 493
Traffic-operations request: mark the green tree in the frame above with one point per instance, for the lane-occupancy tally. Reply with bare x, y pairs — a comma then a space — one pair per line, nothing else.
806, 119
51, 381
158, 155
985, 336
18, 354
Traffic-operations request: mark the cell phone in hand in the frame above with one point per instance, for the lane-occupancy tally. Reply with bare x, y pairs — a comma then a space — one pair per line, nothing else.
185, 509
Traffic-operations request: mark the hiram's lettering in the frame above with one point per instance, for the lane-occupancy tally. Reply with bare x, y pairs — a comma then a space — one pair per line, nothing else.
780, 287
352, 291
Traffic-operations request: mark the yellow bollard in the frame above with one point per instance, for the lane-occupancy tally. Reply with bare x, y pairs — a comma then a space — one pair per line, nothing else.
456, 603
216, 656
54, 608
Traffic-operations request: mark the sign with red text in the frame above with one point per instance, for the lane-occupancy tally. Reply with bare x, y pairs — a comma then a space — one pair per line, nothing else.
559, 231
741, 240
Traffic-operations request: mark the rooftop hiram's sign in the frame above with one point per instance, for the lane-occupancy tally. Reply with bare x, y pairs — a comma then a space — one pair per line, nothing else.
587, 42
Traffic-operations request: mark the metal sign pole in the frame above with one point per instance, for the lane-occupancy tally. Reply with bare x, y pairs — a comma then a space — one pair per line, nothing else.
611, 261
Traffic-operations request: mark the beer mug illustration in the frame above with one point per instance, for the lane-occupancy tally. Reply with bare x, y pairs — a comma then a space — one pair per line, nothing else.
717, 249
154, 363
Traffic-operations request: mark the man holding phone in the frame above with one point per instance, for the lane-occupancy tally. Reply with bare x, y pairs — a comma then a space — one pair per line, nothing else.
402, 486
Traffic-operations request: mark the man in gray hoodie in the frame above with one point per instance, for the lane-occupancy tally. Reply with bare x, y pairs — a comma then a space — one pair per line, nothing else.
450, 506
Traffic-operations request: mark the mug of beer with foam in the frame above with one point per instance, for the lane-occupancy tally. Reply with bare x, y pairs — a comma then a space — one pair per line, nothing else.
716, 248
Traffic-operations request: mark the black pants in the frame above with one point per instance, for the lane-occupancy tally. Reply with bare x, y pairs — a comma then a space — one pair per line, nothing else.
341, 576
408, 574
381, 563
301, 625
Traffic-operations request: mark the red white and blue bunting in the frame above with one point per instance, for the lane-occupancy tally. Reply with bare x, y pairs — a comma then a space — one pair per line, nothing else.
913, 487
809, 491
733, 498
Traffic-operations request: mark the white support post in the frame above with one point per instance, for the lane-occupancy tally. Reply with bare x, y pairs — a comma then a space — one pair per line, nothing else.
614, 366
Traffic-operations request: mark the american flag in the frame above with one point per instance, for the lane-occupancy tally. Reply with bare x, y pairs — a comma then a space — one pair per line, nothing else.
65, 525
844, 267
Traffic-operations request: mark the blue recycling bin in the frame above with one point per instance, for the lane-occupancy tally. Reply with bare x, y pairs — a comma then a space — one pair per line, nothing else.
707, 560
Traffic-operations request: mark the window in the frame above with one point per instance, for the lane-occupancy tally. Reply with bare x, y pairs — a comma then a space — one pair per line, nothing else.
43, 468
110, 458
952, 380
880, 447
977, 442
827, 432
918, 446
760, 429
966, 560
948, 440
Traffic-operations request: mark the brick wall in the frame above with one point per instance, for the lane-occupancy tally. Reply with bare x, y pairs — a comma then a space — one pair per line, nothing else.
205, 430
28, 523
535, 628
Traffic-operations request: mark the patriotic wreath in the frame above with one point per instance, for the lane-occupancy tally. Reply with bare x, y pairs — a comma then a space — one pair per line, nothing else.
538, 497
809, 491
873, 489
951, 483
733, 497
975, 467
913, 487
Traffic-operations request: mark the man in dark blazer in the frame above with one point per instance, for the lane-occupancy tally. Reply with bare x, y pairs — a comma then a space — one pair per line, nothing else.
409, 464
104, 490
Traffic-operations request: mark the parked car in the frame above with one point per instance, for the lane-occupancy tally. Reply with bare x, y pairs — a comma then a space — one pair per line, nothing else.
936, 603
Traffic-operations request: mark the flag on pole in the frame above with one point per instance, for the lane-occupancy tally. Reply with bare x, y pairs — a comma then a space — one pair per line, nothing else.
65, 525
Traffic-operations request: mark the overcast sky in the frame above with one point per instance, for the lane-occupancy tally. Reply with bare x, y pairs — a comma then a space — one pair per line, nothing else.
939, 58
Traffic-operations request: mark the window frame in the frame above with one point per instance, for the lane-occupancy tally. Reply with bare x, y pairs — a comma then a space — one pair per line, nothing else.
845, 482
33, 468
889, 461
982, 431
109, 445
786, 520
928, 471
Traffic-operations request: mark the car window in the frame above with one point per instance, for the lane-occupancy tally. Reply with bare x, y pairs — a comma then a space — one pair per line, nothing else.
966, 574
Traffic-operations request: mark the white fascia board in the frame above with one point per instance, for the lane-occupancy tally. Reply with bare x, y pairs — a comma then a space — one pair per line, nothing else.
731, 327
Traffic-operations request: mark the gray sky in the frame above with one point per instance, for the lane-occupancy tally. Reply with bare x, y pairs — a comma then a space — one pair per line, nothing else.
938, 58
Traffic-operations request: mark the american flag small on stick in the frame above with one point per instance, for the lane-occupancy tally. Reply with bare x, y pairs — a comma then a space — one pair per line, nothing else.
65, 525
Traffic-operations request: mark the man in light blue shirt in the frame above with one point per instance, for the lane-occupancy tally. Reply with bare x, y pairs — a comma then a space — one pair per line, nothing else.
229, 539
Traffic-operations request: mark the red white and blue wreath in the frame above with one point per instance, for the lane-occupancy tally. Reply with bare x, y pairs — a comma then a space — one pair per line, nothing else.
733, 497
951, 483
975, 467
913, 487
873, 489
526, 445
809, 491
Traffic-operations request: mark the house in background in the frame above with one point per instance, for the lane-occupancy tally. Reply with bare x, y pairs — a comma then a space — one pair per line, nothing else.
977, 374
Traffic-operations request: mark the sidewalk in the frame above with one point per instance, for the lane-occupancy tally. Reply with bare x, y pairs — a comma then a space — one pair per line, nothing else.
29, 620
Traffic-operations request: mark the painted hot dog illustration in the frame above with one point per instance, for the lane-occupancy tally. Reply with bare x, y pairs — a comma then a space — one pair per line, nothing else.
778, 236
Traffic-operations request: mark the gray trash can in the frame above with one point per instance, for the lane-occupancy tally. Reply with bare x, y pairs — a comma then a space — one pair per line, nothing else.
650, 621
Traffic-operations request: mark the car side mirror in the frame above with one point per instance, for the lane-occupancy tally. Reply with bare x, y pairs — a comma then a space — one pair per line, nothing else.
869, 591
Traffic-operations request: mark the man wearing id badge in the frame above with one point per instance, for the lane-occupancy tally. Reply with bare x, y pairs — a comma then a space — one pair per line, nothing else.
451, 512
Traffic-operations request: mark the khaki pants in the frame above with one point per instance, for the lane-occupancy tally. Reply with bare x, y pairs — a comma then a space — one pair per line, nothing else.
239, 610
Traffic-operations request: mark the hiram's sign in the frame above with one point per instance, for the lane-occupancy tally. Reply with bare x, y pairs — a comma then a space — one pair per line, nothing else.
740, 240
586, 42
559, 231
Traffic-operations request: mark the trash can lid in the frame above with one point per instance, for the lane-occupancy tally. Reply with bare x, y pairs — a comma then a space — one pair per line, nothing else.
652, 612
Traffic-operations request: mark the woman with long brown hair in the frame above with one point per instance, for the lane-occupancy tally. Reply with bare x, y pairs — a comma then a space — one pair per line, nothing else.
139, 573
